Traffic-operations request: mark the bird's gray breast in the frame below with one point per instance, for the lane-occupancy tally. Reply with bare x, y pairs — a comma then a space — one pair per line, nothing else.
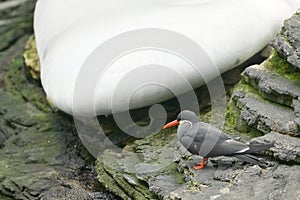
187, 135
202, 139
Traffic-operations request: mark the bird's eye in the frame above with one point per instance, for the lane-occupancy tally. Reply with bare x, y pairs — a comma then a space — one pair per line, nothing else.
178, 118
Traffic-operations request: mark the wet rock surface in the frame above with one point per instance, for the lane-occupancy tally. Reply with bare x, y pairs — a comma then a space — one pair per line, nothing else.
288, 40
167, 173
41, 155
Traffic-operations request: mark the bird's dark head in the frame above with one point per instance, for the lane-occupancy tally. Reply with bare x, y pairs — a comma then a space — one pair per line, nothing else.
185, 116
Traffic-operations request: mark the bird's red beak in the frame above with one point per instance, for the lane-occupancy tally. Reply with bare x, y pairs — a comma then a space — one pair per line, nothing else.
170, 124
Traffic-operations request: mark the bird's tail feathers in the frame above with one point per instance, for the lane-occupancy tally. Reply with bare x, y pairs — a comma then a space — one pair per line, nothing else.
252, 159
255, 148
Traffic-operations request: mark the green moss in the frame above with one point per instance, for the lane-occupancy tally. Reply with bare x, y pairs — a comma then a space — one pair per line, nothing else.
13, 80
40, 147
5, 197
162, 138
283, 67
112, 166
111, 176
16, 81
108, 181
234, 124
194, 186
36, 139
173, 171
12, 35
233, 120
231, 115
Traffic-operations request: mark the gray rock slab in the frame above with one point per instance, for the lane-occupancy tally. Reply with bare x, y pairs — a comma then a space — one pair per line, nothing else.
285, 148
266, 116
288, 40
169, 174
272, 85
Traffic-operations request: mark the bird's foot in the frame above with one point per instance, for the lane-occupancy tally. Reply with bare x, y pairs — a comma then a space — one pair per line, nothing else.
201, 165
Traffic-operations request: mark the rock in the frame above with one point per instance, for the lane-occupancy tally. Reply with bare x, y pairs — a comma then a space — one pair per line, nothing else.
266, 99
147, 168
16, 20
277, 183
296, 105
158, 167
42, 157
271, 85
263, 115
73, 192
277, 85
288, 40
41, 154
285, 148
135, 172
277, 78
267, 117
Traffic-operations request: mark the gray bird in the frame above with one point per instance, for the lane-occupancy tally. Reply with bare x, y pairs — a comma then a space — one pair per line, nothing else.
207, 141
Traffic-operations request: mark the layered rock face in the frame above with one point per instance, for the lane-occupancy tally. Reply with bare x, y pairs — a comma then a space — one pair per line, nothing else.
287, 42
267, 97
264, 106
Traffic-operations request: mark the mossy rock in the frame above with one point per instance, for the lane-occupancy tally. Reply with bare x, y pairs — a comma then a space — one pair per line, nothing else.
234, 121
280, 64
263, 115
131, 172
41, 154
31, 58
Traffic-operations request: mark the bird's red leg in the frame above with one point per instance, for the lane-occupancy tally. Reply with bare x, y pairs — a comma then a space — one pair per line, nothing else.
201, 165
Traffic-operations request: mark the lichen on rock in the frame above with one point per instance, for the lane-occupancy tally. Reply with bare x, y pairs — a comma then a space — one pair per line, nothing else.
31, 58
